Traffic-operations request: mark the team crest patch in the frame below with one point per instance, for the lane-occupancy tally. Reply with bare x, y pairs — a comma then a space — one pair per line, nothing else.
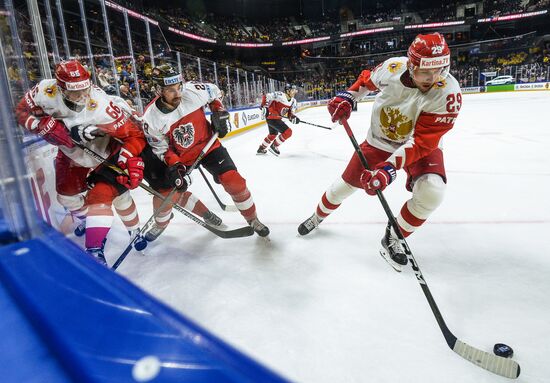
184, 135
92, 105
394, 67
395, 125
440, 84
51, 91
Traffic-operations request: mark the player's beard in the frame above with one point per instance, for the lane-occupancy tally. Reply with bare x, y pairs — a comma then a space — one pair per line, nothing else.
173, 103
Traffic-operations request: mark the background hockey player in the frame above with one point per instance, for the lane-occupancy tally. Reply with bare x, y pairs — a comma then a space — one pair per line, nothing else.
70, 107
418, 103
274, 107
177, 130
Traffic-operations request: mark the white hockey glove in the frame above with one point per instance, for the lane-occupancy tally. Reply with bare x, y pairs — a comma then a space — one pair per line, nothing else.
85, 134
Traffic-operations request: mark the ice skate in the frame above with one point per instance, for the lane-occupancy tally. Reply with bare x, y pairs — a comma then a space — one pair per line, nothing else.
140, 243
274, 149
155, 231
212, 219
80, 230
97, 254
309, 224
261, 151
392, 251
260, 229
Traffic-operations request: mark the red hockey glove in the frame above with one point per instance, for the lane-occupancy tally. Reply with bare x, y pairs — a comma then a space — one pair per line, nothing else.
53, 131
379, 178
340, 106
134, 168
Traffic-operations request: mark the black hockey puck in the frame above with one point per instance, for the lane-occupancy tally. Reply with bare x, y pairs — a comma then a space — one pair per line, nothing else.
503, 350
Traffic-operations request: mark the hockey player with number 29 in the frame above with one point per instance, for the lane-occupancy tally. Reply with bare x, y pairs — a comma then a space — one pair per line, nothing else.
418, 103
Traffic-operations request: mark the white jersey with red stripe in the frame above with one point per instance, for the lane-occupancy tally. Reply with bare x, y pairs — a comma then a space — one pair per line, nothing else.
279, 105
101, 109
179, 135
405, 121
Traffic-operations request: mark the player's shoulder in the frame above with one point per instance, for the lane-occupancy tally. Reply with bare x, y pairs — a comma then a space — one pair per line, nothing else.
197, 94
393, 66
444, 92
152, 111
46, 90
445, 87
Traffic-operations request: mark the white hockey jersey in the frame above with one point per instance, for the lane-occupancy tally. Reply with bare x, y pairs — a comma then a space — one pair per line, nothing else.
109, 113
180, 135
405, 121
279, 105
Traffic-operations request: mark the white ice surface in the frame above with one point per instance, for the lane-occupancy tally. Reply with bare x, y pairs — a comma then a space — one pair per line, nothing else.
326, 307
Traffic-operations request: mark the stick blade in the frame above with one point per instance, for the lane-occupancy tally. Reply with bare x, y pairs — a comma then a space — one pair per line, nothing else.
245, 231
490, 362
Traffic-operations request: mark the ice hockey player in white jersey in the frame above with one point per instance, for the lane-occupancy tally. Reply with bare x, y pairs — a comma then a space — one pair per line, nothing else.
70, 108
418, 103
177, 131
274, 107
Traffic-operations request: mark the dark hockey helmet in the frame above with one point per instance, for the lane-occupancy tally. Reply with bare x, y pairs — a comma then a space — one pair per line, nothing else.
290, 87
291, 90
165, 75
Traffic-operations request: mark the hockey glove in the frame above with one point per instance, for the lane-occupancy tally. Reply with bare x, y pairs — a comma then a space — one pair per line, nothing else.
134, 169
84, 134
53, 131
177, 175
294, 119
221, 123
379, 178
340, 106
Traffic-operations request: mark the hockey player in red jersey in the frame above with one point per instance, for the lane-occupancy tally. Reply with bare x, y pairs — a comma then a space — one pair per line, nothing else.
418, 103
70, 107
274, 107
177, 130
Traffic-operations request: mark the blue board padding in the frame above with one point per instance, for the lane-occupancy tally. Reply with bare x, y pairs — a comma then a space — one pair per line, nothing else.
97, 324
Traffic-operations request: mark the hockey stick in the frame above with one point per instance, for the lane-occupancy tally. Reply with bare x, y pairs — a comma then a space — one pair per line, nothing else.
496, 364
312, 124
222, 205
143, 229
164, 203
244, 231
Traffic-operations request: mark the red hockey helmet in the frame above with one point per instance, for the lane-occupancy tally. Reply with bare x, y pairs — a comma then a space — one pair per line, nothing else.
71, 75
74, 82
428, 52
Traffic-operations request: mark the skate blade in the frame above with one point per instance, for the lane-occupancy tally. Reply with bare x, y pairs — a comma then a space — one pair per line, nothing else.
272, 152
396, 266
266, 239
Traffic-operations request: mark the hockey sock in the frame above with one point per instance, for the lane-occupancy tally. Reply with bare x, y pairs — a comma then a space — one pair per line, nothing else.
235, 185
267, 140
283, 137
333, 197
127, 211
190, 202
